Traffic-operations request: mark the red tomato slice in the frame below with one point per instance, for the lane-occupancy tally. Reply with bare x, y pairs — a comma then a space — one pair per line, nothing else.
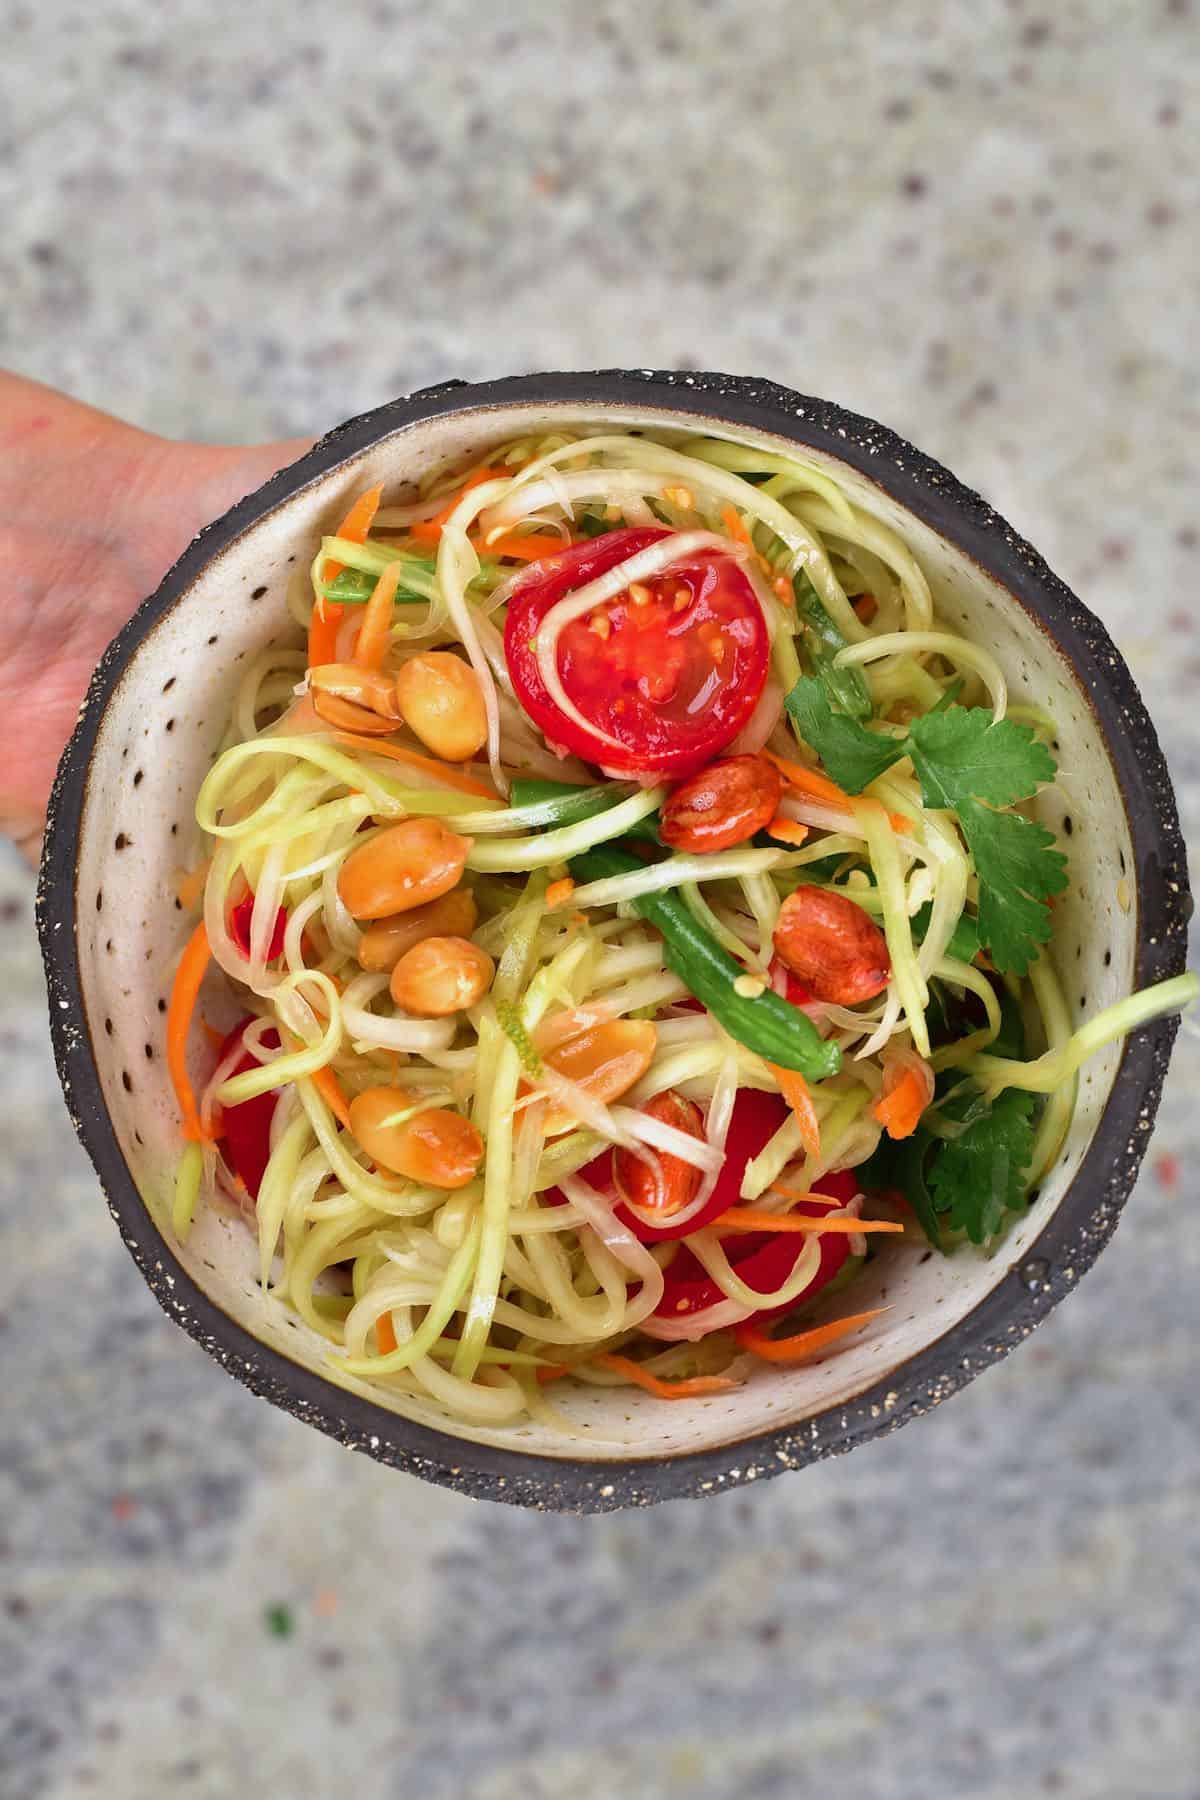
246, 1128
762, 1260
674, 679
239, 927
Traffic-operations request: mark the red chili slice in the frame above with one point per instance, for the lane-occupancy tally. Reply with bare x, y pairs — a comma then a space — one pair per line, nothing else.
246, 1128
239, 927
672, 670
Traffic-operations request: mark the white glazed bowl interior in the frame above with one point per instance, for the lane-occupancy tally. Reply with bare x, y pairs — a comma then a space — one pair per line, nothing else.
155, 744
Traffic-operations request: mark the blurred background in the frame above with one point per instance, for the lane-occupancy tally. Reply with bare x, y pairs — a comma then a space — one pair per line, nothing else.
973, 220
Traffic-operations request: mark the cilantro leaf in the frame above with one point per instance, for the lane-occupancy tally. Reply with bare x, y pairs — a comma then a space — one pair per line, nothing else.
853, 755
963, 754
970, 765
967, 762
1019, 869
979, 1176
910, 1166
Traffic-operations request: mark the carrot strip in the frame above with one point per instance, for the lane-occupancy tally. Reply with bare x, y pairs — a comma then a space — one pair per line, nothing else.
421, 765
665, 1390
559, 892
795, 1091
430, 530
385, 1334
819, 787
355, 527
326, 614
734, 524
746, 1218
866, 606
787, 830
323, 630
523, 549
375, 632
804, 1343
184, 991
900, 1111
332, 1093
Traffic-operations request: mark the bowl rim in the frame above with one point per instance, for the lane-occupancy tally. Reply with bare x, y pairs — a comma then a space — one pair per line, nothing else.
1085, 1217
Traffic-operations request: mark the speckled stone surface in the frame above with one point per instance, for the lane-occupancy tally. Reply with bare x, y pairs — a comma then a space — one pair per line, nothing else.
972, 220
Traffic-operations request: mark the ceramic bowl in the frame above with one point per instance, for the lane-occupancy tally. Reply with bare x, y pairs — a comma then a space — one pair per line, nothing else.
110, 931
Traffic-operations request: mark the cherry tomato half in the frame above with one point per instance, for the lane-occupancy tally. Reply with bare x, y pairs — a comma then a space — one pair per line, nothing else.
246, 1128
763, 1260
672, 671
239, 927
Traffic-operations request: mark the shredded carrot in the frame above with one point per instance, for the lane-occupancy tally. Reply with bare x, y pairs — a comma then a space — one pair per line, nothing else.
795, 1091
819, 787
551, 1372
355, 527
326, 615
787, 830
323, 630
331, 1092
422, 765
375, 632
866, 606
900, 1111
804, 1343
184, 990
785, 593
665, 1390
190, 884
523, 549
746, 1218
430, 530
734, 524
559, 892
385, 1334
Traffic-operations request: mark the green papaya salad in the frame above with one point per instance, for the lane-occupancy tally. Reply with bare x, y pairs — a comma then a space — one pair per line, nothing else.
637, 913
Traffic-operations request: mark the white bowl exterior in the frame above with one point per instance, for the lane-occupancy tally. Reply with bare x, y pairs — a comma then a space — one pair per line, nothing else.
156, 742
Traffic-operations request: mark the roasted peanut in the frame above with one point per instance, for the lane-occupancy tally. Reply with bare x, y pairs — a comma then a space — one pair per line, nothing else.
441, 975
441, 701
354, 699
722, 805
384, 943
405, 866
437, 1148
343, 715
833, 946
676, 1183
605, 1060
368, 688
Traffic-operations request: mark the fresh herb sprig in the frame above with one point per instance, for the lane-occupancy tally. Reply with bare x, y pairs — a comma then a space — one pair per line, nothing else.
973, 766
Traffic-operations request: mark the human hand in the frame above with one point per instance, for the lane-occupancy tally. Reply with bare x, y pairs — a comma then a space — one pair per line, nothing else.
92, 514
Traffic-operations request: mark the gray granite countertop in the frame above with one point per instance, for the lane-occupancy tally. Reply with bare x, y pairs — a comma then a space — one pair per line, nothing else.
975, 221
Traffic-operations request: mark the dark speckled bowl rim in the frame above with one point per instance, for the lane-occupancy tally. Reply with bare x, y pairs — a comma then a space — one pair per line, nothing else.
1088, 1211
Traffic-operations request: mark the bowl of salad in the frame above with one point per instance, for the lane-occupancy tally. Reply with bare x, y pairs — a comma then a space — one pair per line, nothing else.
612, 934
